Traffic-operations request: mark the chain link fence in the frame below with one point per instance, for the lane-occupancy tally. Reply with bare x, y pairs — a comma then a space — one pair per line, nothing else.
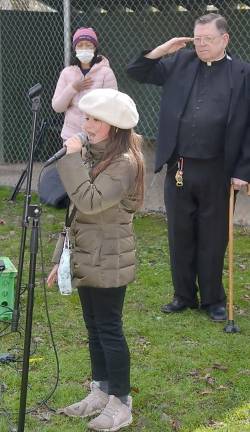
35, 44
32, 46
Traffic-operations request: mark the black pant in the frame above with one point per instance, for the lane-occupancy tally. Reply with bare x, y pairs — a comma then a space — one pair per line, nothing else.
198, 229
109, 353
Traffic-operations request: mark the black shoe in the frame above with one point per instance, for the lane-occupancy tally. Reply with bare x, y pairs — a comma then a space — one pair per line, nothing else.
217, 313
177, 305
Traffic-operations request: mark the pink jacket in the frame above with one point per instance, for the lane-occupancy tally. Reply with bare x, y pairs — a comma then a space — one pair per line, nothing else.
66, 98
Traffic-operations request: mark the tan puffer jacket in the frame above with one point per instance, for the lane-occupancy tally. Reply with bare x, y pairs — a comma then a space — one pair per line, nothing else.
102, 234
66, 98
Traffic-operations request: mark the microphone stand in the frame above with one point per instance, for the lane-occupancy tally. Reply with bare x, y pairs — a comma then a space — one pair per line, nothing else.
34, 212
34, 94
24, 173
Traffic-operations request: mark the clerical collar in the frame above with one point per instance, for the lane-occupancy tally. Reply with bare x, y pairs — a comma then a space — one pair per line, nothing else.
219, 61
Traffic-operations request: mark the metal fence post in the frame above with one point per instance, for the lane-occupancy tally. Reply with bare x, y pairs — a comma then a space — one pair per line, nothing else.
1, 98
67, 31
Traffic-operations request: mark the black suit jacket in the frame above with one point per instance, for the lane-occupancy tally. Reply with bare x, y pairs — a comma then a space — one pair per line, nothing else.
176, 75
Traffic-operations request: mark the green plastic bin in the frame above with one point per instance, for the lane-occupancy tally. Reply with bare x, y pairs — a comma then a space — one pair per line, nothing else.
7, 289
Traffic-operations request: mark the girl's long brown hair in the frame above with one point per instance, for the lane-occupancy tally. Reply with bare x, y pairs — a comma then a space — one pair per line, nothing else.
124, 141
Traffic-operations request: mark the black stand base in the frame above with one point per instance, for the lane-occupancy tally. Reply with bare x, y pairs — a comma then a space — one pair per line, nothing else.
231, 327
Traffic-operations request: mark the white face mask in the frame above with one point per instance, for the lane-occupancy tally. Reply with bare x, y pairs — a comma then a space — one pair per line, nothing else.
85, 55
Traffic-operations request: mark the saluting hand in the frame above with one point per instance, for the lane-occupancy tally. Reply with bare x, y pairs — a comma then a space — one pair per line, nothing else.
169, 47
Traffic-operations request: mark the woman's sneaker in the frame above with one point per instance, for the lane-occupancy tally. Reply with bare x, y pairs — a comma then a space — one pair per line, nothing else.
114, 416
91, 405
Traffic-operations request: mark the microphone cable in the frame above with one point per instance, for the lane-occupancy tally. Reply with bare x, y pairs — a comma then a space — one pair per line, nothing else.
18, 359
52, 391
57, 376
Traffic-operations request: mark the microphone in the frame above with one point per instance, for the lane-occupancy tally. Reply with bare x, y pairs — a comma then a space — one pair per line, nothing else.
35, 91
63, 150
56, 156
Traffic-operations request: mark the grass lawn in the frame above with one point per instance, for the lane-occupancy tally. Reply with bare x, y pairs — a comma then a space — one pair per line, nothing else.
187, 374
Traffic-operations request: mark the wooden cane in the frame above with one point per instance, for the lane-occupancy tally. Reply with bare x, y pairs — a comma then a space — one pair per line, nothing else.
230, 256
231, 327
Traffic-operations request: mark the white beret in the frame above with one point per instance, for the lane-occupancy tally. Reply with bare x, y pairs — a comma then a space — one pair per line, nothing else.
111, 106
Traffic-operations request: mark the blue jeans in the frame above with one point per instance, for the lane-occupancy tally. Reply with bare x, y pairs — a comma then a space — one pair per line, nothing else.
109, 353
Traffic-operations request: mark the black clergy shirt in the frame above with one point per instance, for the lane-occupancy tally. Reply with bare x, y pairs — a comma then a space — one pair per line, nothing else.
203, 123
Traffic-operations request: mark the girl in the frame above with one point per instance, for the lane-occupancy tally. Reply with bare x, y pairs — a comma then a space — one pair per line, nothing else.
89, 71
105, 184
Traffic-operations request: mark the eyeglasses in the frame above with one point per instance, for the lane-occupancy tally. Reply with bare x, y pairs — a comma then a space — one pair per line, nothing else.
205, 39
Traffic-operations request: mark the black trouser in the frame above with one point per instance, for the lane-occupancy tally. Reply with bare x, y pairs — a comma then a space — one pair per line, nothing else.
198, 229
109, 353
